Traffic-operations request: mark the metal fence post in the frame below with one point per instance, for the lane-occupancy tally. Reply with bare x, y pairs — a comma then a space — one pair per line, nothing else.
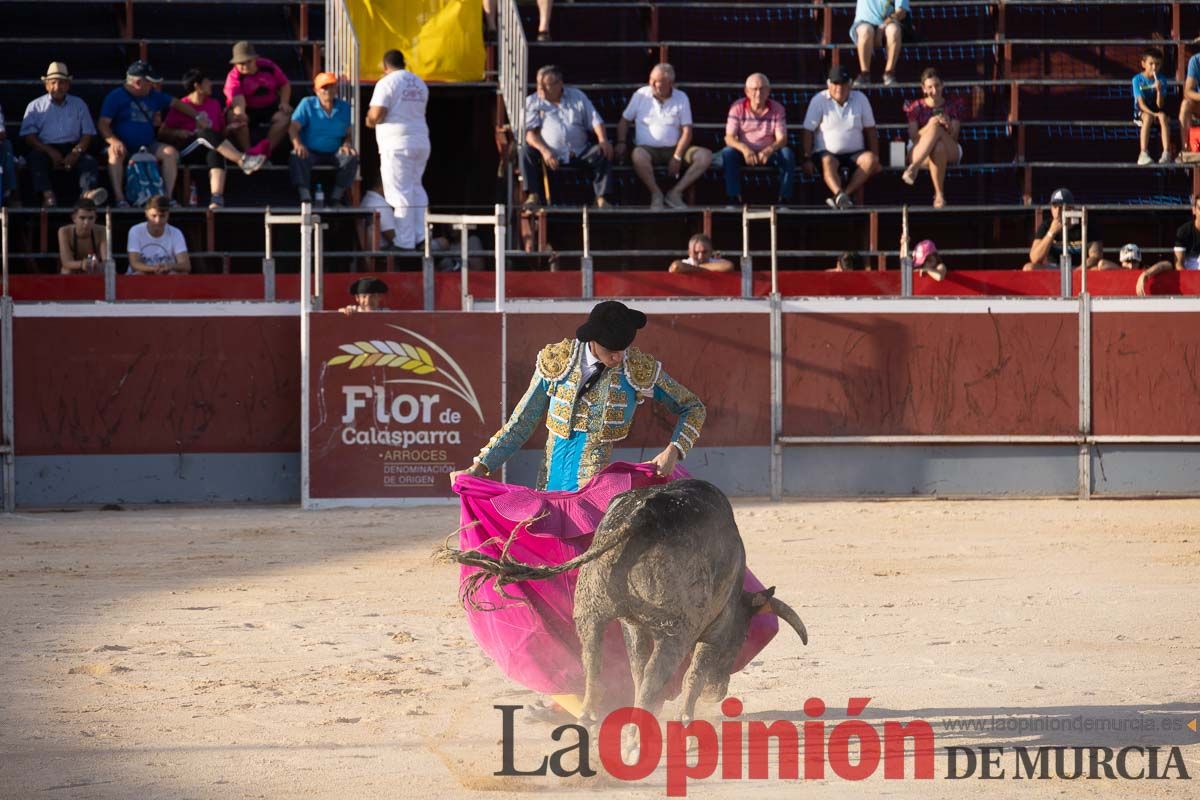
501, 255
268, 264
110, 263
747, 262
586, 268
1085, 394
776, 323
6, 387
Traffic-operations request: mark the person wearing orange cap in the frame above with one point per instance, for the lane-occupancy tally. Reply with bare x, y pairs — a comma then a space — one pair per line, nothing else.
322, 134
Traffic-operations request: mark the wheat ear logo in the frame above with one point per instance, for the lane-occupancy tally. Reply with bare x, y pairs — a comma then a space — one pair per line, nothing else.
410, 358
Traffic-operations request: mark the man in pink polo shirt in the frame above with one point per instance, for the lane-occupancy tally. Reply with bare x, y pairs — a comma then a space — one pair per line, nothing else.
756, 135
256, 93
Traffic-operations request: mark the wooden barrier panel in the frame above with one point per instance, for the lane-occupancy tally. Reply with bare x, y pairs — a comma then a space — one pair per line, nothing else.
108, 385
1145, 373
920, 373
399, 400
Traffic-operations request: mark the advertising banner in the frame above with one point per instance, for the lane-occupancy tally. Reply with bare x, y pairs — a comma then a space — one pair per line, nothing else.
397, 401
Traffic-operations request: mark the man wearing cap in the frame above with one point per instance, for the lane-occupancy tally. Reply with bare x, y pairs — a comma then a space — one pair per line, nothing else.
588, 388
256, 93
397, 113
154, 247
839, 133
368, 296
1046, 250
322, 134
127, 124
58, 129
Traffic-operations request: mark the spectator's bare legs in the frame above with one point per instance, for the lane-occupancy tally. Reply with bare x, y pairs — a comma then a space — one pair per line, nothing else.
278, 130
1164, 125
168, 160
216, 181
116, 174
230, 152
701, 160
829, 171
894, 38
867, 42
489, 12
938, 159
1144, 133
1186, 109
544, 9
868, 165
643, 167
937, 148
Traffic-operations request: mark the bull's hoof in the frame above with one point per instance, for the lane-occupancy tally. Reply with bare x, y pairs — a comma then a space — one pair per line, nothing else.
631, 746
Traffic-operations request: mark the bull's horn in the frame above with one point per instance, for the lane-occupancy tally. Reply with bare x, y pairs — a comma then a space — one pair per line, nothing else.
788, 615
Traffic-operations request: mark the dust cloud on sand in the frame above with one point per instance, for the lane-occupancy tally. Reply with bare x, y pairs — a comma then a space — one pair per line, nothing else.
269, 652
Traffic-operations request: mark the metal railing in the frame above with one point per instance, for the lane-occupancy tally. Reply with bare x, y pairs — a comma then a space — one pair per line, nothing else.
513, 63
342, 59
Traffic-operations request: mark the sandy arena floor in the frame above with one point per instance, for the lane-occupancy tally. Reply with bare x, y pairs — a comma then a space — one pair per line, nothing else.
268, 652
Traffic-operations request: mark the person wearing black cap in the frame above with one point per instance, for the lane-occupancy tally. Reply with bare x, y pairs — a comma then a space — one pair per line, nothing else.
126, 123
1047, 242
368, 296
588, 389
839, 133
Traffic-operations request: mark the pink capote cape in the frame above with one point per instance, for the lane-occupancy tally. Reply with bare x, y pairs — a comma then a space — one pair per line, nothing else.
534, 642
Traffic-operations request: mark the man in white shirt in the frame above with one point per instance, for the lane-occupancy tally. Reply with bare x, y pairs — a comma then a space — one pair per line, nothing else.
701, 258
662, 117
397, 113
842, 123
156, 248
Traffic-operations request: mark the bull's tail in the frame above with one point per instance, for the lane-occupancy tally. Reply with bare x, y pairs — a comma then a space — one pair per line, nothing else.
503, 570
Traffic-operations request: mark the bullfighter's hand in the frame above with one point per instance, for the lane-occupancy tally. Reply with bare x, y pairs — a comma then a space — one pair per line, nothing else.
665, 461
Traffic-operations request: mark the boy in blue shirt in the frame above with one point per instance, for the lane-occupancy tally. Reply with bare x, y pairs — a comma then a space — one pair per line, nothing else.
322, 133
1149, 89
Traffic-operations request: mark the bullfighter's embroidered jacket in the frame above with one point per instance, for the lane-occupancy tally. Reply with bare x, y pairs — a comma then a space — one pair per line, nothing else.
584, 428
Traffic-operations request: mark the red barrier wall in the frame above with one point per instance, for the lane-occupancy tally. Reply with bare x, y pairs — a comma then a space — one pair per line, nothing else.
407, 294
962, 374
156, 385
1145, 373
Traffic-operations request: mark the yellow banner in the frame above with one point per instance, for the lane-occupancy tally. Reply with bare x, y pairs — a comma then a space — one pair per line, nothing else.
442, 40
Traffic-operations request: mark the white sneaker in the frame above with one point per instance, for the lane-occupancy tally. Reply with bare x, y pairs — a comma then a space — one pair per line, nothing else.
656, 202
1144, 159
251, 164
1165, 158
843, 201
99, 195
674, 200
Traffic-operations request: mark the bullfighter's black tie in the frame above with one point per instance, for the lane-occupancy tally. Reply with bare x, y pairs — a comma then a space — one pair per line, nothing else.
597, 371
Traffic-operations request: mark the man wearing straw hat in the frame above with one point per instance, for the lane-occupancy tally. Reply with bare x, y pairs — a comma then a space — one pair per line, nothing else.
58, 129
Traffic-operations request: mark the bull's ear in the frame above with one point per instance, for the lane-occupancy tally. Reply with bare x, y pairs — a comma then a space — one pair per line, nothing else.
758, 599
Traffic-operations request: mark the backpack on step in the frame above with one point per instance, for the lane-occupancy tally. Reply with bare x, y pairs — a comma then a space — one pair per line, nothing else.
142, 178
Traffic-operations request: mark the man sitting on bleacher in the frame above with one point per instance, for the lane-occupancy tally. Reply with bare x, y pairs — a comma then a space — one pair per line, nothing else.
127, 124
662, 117
756, 134
558, 120
322, 133
1047, 242
58, 129
839, 133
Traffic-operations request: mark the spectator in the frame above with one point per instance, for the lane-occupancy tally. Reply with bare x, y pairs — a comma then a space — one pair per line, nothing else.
256, 93
368, 296
1047, 242
756, 134
397, 113
82, 246
874, 22
845, 138
156, 247
701, 258
322, 134
374, 200
1187, 249
662, 117
127, 124
544, 9
1131, 258
447, 239
8, 166
847, 262
1148, 107
933, 127
58, 129
1190, 103
927, 261
181, 131
557, 121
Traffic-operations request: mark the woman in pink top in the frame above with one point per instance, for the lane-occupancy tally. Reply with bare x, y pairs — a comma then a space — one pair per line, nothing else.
933, 125
203, 135
257, 93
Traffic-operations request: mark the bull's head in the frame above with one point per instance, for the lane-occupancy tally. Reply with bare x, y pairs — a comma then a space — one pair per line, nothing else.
765, 602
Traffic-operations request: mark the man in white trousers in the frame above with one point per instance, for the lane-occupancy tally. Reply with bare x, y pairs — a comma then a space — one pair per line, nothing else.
397, 113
